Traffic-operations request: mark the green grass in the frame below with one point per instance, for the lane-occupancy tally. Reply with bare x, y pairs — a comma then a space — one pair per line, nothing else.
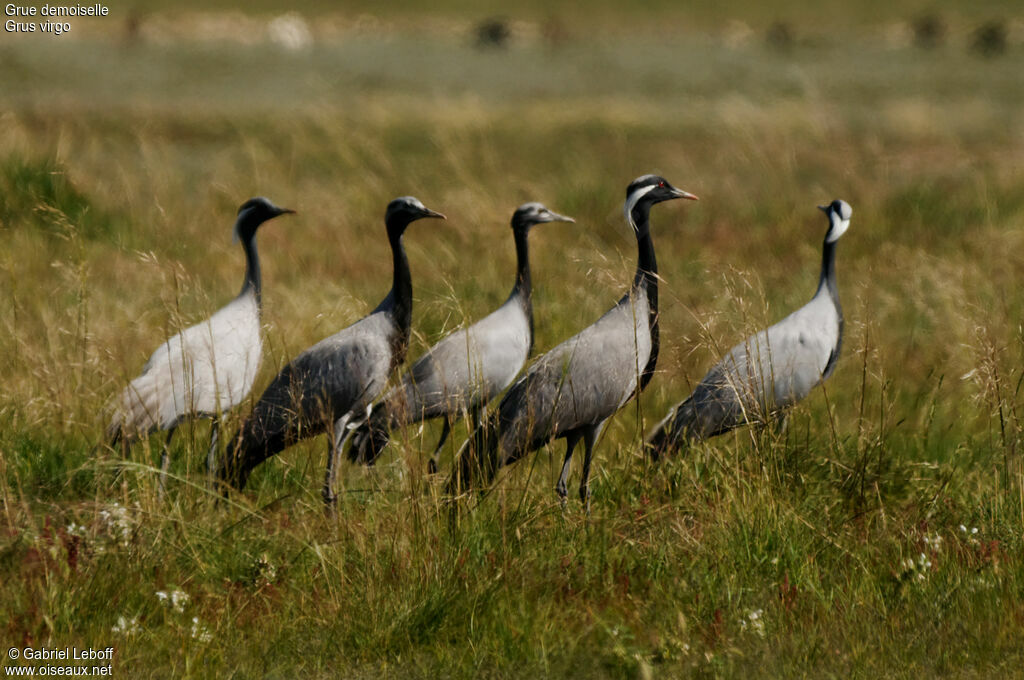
844, 546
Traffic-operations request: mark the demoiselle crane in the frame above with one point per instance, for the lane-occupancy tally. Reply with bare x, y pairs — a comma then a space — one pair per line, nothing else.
572, 390
207, 369
771, 370
468, 368
331, 384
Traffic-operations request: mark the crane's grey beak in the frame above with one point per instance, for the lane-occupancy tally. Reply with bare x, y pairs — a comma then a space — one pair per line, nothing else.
286, 211
555, 217
679, 193
427, 212
824, 208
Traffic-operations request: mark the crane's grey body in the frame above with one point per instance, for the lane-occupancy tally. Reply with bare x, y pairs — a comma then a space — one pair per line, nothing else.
332, 383
771, 370
470, 367
207, 369
322, 388
581, 382
572, 390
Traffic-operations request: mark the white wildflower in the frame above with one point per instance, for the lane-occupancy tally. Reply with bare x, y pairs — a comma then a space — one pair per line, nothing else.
754, 622
175, 599
178, 600
917, 569
126, 626
117, 523
199, 631
264, 571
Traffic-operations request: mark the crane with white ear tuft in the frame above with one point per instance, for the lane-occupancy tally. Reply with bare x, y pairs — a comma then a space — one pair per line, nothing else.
331, 385
771, 370
572, 390
207, 369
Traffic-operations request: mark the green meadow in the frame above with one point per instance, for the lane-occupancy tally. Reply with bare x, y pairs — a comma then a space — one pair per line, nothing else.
880, 534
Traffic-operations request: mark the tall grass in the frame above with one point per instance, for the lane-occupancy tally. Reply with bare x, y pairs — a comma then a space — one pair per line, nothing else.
879, 534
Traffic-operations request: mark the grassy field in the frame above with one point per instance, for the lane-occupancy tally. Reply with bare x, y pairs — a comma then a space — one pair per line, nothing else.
879, 535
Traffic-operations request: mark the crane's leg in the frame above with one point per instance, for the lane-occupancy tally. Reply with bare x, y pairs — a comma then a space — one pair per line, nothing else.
211, 456
781, 423
335, 444
445, 431
476, 416
165, 462
571, 439
589, 438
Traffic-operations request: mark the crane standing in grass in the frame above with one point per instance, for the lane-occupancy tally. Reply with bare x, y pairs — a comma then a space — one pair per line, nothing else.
333, 383
468, 368
572, 390
206, 369
771, 370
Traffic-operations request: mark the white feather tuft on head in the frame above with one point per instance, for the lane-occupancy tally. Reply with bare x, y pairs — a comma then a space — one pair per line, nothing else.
839, 219
632, 200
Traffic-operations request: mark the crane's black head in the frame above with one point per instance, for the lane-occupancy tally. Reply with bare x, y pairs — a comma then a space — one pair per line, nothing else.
404, 211
253, 213
645, 191
529, 214
839, 213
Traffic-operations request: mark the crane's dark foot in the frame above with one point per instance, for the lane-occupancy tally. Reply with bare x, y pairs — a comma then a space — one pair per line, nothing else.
331, 506
432, 467
230, 476
653, 451
585, 497
563, 494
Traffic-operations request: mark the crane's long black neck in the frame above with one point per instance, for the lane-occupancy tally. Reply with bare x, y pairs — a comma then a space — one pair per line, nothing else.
827, 283
399, 301
646, 282
253, 282
523, 290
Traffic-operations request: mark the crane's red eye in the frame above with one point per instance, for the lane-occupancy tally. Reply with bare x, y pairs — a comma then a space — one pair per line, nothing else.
661, 185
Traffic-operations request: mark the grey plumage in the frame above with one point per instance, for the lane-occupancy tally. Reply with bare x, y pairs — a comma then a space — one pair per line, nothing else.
469, 367
332, 383
771, 370
206, 369
572, 390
